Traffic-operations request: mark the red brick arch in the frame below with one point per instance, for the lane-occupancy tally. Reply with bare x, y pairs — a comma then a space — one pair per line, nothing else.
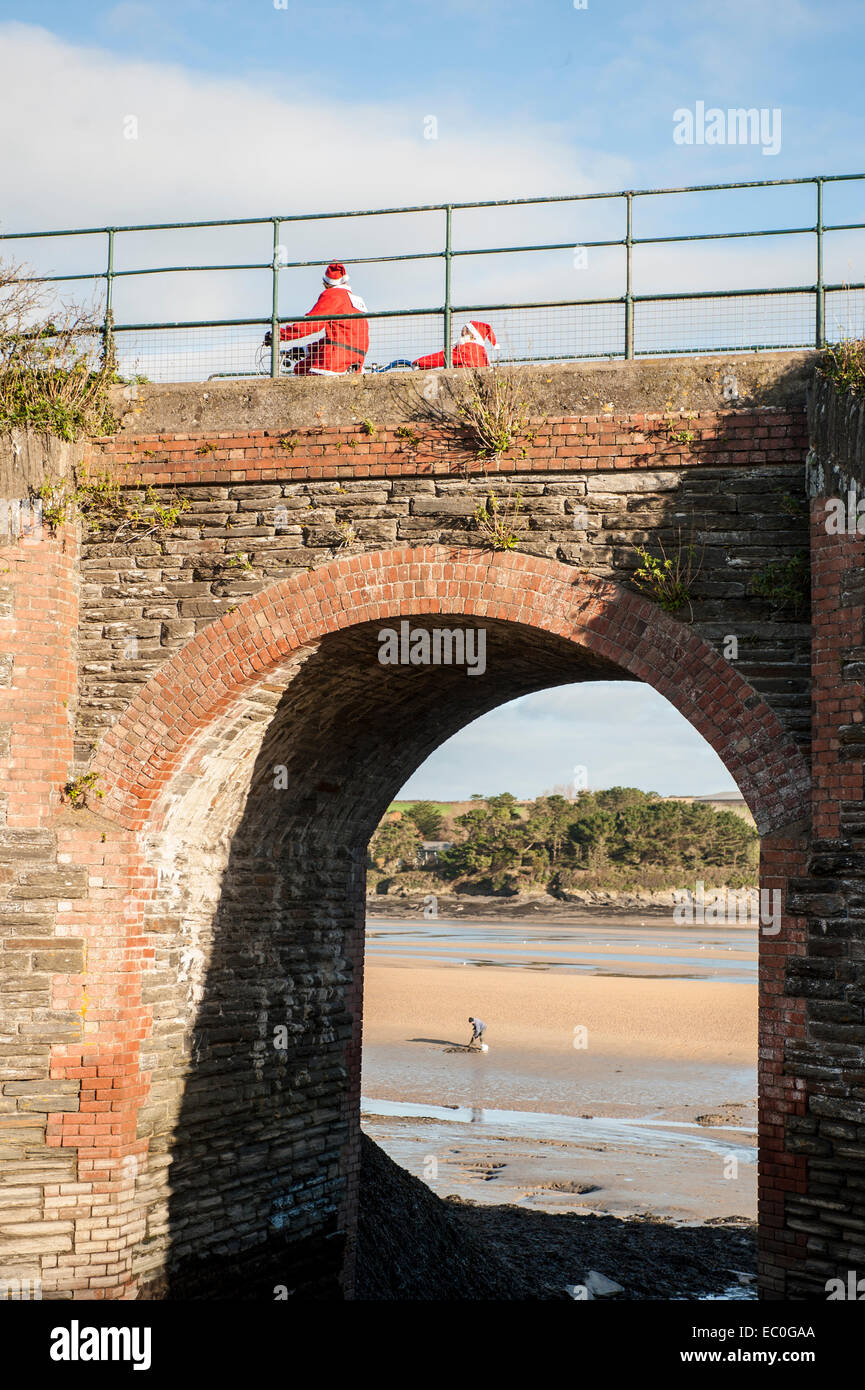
147, 745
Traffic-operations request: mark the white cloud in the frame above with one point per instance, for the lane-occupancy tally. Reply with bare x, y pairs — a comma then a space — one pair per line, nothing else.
211, 147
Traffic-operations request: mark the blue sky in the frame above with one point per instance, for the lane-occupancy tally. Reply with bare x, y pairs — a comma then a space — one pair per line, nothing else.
606, 77
585, 98
617, 733
255, 108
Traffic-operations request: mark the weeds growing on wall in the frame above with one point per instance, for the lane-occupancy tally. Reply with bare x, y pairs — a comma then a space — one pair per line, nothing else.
493, 410
106, 504
786, 583
844, 364
77, 792
668, 579
239, 561
54, 370
350, 537
672, 420
500, 521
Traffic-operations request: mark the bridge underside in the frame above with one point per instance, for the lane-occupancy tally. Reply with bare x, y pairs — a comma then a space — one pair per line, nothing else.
260, 949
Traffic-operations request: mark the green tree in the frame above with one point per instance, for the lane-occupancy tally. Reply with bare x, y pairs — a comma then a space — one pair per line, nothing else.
620, 798
732, 841
620, 833
428, 819
492, 838
395, 845
547, 825
594, 834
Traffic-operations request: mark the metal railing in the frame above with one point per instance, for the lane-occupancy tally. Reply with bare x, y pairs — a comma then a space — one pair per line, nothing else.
627, 323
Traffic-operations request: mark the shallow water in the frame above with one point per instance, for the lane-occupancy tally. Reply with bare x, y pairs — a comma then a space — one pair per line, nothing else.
697, 953
666, 1136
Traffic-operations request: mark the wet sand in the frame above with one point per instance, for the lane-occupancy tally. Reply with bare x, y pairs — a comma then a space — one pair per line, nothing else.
655, 1113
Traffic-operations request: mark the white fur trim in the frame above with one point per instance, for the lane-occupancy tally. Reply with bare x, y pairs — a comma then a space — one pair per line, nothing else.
473, 333
479, 338
340, 284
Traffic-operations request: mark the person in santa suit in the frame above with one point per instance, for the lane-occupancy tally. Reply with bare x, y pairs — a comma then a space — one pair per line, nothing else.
470, 349
345, 342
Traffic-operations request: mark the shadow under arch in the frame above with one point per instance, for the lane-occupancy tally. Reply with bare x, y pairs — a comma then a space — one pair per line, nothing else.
254, 767
150, 741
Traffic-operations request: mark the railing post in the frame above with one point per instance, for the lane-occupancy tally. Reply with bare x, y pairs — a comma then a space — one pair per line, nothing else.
629, 298
820, 326
109, 357
274, 307
448, 257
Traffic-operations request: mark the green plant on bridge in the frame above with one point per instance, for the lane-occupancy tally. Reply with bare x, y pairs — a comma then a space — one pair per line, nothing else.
785, 582
55, 499
794, 507
844, 364
351, 537
493, 409
685, 436
667, 579
55, 369
240, 561
77, 791
104, 502
500, 523
163, 516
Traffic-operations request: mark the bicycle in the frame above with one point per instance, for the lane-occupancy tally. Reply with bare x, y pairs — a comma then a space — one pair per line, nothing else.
290, 356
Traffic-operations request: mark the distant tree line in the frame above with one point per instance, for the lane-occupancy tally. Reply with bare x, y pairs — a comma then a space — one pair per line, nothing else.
618, 837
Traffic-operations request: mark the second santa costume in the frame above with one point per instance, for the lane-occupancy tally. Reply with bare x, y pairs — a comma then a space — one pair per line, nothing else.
469, 351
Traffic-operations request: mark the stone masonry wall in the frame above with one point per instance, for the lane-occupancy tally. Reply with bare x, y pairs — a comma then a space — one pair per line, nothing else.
71, 1015
266, 505
258, 872
38, 622
824, 1058
160, 1144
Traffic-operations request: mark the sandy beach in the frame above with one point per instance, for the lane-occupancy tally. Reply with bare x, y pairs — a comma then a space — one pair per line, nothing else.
653, 1109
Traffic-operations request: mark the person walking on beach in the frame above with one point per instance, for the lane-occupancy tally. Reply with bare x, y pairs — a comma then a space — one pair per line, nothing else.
478, 1030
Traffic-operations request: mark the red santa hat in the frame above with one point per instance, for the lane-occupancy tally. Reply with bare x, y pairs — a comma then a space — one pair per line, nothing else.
336, 274
481, 333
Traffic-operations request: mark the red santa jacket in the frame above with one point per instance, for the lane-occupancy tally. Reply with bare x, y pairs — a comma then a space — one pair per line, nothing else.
345, 342
464, 354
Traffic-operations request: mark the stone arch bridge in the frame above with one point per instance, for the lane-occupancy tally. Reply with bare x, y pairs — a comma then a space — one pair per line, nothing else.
154, 1141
